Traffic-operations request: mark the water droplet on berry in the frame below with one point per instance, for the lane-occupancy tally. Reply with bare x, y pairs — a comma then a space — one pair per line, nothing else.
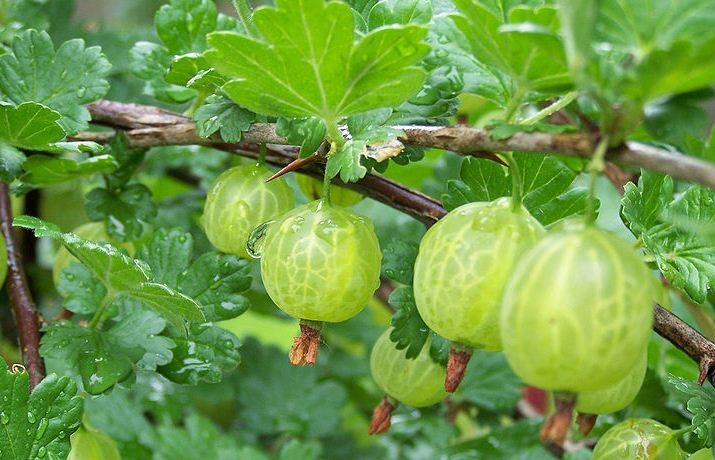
254, 245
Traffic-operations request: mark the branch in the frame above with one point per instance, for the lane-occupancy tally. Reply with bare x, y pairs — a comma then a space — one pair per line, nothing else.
695, 345
147, 127
23, 307
150, 127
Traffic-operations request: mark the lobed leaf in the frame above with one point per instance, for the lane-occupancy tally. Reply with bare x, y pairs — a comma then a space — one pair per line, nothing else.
546, 184
398, 260
305, 408
37, 424
409, 330
182, 25
317, 69
700, 401
678, 233
30, 125
42, 170
216, 281
220, 114
63, 80
127, 210
103, 358
202, 356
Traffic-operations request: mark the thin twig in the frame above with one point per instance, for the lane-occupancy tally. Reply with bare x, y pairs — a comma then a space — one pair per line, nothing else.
23, 307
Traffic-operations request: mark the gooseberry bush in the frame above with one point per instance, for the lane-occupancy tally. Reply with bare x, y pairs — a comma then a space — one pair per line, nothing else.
307, 229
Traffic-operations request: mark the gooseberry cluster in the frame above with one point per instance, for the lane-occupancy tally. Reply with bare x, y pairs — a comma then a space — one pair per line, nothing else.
571, 308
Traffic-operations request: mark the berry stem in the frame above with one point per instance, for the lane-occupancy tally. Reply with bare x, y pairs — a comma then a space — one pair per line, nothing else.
517, 186
456, 366
595, 166
586, 422
305, 346
556, 427
380, 422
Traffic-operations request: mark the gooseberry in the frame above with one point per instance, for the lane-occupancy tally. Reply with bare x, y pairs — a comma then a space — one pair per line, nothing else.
577, 311
319, 263
238, 201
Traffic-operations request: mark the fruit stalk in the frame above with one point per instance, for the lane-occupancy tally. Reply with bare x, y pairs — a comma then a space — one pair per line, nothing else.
456, 366
380, 422
556, 427
305, 346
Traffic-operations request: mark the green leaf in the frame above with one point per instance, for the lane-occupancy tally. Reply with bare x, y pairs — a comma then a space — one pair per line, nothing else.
117, 271
168, 254
42, 170
30, 125
37, 424
63, 80
480, 180
129, 159
194, 71
409, 330
400, 12
203, 356
183, 24
455, 68
643, 205
11, 160
490, 383
546, 184
126, 211
149, 62
216, 281
317, 69
521, 46
81, 290
305, 408
220, 114
516, 441
701, 403
197, 438
104, 357
398, 260
294, 450
346, 161
170, 304
306, 132
679, 234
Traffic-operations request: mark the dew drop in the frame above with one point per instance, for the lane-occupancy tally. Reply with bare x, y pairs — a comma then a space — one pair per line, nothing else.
31, 417
81, 91
406, 49
41, 428
254, 245
441, 53
390, 273
42, 451
4, 418
443, 39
